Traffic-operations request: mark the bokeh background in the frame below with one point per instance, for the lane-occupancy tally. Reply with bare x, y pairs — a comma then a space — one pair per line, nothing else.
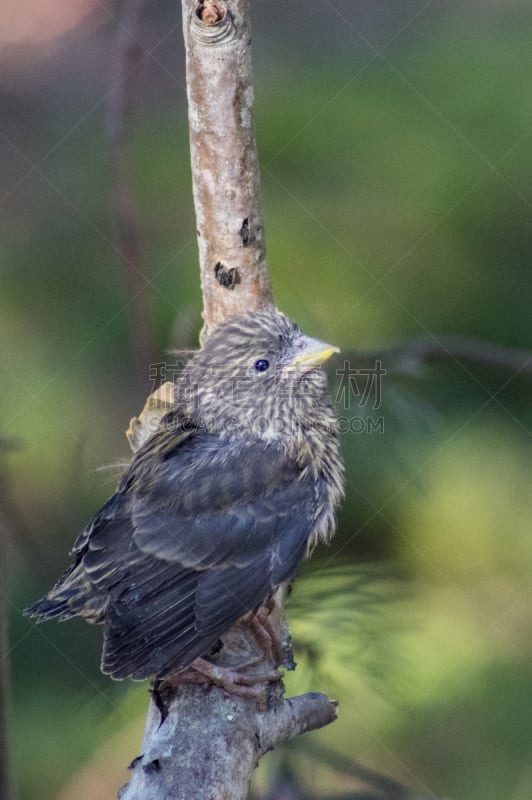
395, 142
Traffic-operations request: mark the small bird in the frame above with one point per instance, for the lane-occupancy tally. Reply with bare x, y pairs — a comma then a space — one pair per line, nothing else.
218, 507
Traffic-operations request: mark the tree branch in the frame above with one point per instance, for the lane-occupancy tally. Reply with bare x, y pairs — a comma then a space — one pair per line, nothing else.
225, 168
198, 741
229, 734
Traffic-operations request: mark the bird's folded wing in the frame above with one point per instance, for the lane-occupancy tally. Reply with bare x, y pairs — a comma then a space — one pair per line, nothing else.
214, 526
216, 504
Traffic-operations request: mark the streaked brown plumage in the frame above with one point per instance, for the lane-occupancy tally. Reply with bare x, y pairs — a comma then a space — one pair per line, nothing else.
217, 508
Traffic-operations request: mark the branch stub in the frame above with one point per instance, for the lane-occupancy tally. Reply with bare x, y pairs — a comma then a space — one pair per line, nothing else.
212, 23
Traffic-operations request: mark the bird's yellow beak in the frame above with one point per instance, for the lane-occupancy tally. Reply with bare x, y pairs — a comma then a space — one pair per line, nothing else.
312, 353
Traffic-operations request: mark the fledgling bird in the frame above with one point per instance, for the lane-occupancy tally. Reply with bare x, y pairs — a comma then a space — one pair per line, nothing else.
217, 508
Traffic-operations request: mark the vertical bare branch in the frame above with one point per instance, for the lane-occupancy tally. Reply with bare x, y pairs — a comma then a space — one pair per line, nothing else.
225, 168
127, 54
208, 744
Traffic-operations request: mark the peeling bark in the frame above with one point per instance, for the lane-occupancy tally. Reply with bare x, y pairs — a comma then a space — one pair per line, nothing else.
229, 735
225, 169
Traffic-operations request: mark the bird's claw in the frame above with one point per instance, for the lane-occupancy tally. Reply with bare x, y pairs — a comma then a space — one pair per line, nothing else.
234, 681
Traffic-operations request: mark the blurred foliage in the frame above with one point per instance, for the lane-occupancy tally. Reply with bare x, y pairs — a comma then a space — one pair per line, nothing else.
394, 141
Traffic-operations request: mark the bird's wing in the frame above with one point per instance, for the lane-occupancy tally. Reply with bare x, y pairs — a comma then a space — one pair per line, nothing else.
217, 503
239, 512
213, 527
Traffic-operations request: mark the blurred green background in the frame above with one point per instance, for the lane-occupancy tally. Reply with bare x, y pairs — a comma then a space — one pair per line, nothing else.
395, 143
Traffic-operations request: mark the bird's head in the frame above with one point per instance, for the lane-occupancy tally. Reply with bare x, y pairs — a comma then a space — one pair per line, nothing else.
257, 372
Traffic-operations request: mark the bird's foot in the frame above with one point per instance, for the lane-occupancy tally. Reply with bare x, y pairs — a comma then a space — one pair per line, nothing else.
233, 681
264, 632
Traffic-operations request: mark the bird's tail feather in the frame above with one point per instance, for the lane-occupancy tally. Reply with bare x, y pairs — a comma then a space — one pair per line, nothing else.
50, 607
69, 598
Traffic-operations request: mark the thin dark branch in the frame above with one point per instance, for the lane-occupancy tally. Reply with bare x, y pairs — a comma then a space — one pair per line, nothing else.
127, 54
410, 356
381, 787
370, 785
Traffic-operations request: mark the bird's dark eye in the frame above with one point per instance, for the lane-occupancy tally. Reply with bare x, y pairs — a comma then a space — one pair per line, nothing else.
262, 365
